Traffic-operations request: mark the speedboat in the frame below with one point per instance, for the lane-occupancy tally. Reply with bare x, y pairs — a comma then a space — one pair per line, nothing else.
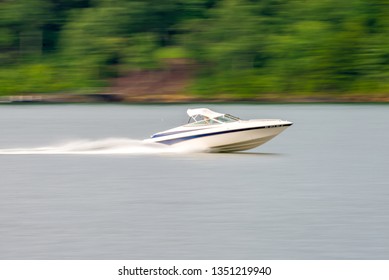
216, 132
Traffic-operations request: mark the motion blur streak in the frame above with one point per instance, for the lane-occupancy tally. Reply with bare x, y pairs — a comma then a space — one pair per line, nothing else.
103, 146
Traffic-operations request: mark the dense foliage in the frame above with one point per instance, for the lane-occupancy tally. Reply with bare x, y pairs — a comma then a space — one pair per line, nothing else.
241, 47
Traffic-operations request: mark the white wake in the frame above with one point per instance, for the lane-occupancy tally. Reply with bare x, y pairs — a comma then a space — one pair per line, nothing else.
98, 147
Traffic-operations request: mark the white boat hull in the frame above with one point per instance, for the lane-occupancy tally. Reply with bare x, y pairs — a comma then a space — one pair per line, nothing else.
235, 137
232, 142
214, 132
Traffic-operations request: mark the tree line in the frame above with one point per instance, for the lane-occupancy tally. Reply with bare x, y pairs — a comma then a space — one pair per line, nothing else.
241, 47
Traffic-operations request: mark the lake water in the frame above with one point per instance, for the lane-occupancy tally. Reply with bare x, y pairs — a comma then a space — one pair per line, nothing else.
76, 183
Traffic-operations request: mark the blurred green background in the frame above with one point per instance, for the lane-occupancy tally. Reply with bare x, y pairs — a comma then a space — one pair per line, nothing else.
233, 48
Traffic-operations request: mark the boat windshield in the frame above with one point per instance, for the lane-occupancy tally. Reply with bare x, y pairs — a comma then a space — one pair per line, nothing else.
204, 120
227, 118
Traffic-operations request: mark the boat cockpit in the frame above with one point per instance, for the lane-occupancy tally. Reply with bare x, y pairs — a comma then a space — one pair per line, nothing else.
197, 120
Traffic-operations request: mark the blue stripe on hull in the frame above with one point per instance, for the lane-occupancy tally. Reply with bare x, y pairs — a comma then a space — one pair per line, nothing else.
178, 140
174, 132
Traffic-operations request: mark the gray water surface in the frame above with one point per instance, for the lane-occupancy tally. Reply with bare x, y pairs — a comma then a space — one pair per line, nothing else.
319, 190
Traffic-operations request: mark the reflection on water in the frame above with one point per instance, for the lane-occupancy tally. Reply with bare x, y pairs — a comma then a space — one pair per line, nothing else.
317, 191
257, 154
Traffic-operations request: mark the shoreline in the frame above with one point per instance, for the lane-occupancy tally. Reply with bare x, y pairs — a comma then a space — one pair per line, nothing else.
185, 98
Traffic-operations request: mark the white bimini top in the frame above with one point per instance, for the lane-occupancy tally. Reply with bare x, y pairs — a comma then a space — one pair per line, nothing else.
203, 112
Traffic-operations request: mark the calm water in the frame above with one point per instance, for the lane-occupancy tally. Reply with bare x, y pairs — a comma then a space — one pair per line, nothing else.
76, 184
